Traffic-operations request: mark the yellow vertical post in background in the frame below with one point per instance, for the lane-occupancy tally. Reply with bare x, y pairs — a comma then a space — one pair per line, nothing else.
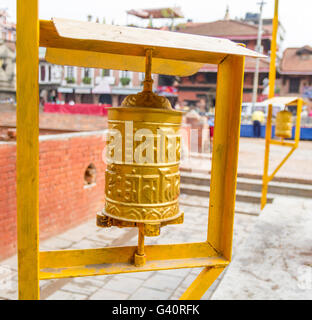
27, 117
298, 121
268, 131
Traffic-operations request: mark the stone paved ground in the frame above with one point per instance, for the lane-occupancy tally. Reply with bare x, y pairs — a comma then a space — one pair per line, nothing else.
271, 258
146, 285
266, 241
275, 261
251, 158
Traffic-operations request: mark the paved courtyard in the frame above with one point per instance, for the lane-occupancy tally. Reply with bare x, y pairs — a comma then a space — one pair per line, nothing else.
275, 260
251, 159
143, 285
271, 252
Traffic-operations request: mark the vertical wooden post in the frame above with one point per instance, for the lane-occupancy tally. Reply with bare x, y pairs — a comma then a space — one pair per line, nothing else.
268, 131
225, 154
27, 60
265, 177
224, 169
298, 121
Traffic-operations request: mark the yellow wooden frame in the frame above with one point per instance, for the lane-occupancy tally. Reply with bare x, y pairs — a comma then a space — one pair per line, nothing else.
292, 144
214, 254
266, 178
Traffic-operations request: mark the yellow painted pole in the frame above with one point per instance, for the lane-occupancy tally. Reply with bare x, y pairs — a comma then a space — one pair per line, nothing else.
281, 164
27, 116
293, 145
268, 132
201, 284
298, 121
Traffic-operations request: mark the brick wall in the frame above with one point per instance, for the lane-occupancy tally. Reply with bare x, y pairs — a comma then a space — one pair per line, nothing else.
58, 121
64, 200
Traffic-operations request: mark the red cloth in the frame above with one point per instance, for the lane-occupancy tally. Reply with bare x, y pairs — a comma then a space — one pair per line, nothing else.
211, 131
90, 109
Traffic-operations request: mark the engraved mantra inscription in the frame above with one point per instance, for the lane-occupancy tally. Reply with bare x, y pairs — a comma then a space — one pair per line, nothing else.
142, 175
161, 187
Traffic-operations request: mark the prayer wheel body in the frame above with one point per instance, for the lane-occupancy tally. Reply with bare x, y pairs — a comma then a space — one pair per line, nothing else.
283, 124
143, 154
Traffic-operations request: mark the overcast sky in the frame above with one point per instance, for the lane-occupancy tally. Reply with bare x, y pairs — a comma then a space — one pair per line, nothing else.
296, 16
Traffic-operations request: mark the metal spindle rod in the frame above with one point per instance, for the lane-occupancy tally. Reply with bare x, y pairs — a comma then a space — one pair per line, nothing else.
148, 81
139, 256
141, 239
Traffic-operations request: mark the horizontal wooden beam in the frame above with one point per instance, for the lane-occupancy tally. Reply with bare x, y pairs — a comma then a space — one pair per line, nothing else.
116, 268
112, 260
282, 143
69, 258
90, 59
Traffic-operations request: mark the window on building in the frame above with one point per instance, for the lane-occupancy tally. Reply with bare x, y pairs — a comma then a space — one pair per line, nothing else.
125, 78
165, 80
141, 76
294, 85
70, 72
192, 78
87, 76
87, 72
105, 73
211, 77
50, 73
266, 46
125, 74
42, 73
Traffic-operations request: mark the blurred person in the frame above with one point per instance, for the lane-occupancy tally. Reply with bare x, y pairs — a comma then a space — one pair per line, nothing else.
257, 119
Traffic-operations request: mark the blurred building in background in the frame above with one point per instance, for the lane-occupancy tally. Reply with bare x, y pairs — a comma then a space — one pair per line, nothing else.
64, 84
295, 71
200, 89
7, 58
295, 74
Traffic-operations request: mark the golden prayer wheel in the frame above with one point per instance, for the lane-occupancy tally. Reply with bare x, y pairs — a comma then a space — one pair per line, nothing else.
283, 124
142, 176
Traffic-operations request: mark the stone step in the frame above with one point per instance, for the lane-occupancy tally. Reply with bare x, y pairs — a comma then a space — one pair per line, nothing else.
250, 175
203, 202
204, 191
253, 185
